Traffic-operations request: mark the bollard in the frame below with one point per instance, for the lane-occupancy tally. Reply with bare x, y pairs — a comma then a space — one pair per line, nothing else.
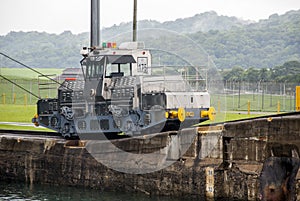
297, 98
14, 98
25, 99
278, 107
3, 98
248, 107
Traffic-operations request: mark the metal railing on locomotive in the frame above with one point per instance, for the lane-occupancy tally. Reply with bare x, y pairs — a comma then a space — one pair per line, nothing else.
163, 80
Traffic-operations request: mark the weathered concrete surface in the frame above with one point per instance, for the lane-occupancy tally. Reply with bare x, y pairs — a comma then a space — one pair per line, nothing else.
250, 144
278, 178
51, 161
225, 163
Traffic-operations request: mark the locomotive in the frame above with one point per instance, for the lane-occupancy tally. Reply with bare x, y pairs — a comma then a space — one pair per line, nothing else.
122, 92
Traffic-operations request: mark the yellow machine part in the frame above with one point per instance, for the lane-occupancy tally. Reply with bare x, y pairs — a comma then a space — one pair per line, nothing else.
35, 117
180, 114
210, 113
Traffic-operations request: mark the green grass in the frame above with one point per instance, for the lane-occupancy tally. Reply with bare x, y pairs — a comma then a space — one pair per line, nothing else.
17, 113
11, 94
23, 128
16, 105
24, 73
227, 116
259, 103
21, 113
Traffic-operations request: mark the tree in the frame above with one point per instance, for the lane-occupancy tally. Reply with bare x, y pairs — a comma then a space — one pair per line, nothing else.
289, 71
235, 74
252, 75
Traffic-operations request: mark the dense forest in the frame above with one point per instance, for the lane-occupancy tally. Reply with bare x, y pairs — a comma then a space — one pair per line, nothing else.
265, 44
288, 72
231, 43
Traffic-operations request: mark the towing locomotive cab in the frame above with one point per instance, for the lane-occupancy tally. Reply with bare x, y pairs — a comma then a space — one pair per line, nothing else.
121, 92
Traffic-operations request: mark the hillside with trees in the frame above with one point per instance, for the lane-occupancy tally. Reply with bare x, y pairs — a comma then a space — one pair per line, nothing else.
229, 41
203, 22
289, 71
265, 44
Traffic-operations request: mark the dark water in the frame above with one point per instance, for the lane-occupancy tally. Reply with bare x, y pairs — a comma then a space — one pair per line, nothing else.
25, 192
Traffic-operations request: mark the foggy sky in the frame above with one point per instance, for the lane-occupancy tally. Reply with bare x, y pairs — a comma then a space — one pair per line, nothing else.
56, 16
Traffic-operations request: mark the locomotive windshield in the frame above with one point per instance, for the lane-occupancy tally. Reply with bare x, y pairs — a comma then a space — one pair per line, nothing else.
119, 65
94, 66
107, 65
118, 69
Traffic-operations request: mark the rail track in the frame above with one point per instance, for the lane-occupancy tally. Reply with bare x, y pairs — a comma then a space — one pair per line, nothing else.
211, 127
29, 133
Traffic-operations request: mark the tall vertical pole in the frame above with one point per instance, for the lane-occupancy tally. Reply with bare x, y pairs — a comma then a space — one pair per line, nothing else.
95, 23
134, 28
297, 98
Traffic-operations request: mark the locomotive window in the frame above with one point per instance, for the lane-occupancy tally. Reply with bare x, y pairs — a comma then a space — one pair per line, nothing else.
118, 69
98, 69
111, 68
126, 69
94, 67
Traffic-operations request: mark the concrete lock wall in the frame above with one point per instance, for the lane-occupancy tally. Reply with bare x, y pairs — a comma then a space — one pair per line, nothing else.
224, 163
249, 145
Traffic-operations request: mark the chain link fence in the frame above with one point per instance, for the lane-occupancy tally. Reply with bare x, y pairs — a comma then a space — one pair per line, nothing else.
256, 97
236, 96
12, 94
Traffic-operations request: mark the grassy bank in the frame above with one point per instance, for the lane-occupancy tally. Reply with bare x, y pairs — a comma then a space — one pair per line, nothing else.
24, 114
24, 73
256, 102
17, 113
19, 106
231, 116
23, 128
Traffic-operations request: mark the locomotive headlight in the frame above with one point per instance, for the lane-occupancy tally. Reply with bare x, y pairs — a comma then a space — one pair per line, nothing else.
147, 119
92, 92
35, 120
84, 52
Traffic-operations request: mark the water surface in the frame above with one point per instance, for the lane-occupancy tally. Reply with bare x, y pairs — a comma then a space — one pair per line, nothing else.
24, 192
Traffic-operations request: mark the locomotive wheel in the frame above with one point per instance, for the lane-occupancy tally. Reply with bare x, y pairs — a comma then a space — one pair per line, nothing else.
181, 114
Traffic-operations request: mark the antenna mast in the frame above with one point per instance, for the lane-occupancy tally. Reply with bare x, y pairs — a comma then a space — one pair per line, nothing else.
134, 20
95, 23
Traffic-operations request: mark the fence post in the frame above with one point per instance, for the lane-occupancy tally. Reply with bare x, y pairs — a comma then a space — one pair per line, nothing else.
297, 98
3, 98
14, 98
25, 99
248, 107
30, 96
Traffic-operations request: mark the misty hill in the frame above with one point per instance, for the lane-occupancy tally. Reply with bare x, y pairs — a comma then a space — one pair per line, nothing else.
228, 40
265, 44
201, 22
